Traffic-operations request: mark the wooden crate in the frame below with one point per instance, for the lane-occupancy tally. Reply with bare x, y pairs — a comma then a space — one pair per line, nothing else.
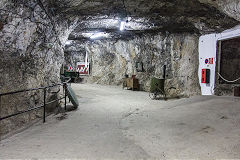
131, 83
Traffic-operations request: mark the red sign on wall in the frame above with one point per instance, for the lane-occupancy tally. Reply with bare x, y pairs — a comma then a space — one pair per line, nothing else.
70, 68
210, 61
83, 68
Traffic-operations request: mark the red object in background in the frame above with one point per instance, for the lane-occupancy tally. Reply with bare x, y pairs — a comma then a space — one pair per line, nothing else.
205, 76
83, 68
70, 68
210, 61
133, 76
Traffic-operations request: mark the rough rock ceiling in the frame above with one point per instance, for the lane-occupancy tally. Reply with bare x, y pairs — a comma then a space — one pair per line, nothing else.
194, 16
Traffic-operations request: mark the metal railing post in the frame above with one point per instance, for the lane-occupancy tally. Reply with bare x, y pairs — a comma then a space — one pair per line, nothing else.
44, 106
0, 106
65, 96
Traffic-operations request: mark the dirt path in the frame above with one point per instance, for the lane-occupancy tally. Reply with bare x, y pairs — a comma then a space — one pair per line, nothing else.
112, 123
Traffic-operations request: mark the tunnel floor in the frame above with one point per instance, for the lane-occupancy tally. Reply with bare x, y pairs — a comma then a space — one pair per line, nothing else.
112, 123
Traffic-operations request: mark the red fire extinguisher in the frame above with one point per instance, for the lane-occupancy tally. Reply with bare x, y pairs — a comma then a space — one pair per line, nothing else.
205, 76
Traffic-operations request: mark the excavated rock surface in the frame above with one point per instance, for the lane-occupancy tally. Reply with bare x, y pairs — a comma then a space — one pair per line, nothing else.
165, 22
229, 7
144, 8
111, 60
176, 16
33, 34
31, 56
75, 52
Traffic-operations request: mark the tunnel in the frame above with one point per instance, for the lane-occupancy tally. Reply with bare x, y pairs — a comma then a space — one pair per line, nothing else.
119, 79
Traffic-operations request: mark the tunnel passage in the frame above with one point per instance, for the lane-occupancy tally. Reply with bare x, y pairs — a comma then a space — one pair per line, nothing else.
227, 69
229, 60
37, 37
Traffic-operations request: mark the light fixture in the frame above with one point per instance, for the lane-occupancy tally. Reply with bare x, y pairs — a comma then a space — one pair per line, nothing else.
99, 35
122, 25
125, 18
68, 42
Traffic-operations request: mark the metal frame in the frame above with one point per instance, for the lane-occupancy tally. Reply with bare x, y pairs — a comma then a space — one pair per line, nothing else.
219, 57
64, 84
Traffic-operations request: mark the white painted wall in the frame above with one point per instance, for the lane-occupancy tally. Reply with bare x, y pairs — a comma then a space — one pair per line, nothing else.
208, 49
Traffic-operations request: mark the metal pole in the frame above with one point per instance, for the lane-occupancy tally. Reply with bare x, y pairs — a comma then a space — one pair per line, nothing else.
0, 107
219, 57
44, 106
65, 102
164, 72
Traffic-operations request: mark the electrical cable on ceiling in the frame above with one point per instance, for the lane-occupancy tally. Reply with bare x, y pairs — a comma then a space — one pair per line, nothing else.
125, 9
228, 80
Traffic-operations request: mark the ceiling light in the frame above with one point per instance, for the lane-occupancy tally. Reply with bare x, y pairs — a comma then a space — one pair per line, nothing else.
99, 35
68, 42
122, 25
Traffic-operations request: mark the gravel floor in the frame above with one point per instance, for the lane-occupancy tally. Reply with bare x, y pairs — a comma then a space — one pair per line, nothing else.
112, 123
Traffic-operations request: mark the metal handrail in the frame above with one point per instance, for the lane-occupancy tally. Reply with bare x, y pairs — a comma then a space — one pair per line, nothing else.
27, 90
64, 84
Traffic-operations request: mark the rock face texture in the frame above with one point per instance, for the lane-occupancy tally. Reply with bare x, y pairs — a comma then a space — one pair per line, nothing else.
159, 33
74, 52
229, 7
175, 16
227, 67
111, 60
31, 56
163, 32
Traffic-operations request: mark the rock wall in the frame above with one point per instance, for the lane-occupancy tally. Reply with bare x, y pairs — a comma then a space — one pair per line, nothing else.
228, 7
111, 60
74, 52
31, 56
228, 66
